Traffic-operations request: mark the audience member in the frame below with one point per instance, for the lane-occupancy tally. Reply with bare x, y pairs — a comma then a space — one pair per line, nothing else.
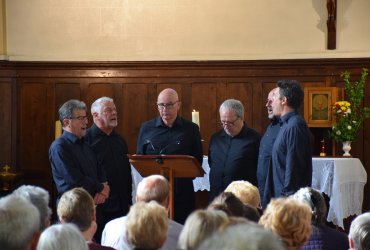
19, 223
291, 152
147, 225
359, 233
290, 219
40, 198
246, 192
233, 151
232, 206
199, 225
73, 162
264, 167
62, 237
151, 188
322, 236
111, 150
244, 236
77, 206
173, 135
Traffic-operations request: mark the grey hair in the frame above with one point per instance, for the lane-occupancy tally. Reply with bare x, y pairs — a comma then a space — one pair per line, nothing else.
39, 197
66, 110
153, 187
315, 200
19, 222
62, 237
359, 232
96, 106
247, 236
232, 104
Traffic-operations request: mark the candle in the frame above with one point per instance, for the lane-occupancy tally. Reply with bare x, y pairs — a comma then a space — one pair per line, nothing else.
58, 129
195, 117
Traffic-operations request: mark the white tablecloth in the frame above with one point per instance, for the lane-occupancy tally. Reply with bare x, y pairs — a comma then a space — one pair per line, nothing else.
343, 180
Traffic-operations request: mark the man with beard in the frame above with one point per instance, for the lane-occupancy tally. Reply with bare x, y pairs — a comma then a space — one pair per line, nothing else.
265, 151
111, 151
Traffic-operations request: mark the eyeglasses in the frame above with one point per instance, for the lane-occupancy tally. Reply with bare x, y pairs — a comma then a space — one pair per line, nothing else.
169, 105
229, 123
80, 118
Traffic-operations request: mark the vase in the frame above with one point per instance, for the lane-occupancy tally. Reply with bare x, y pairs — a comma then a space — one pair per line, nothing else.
346, 148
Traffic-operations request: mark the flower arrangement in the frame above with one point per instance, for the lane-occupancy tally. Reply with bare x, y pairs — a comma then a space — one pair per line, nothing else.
350, 114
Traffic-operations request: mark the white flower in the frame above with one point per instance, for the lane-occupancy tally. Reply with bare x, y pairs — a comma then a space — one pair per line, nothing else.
349, 127
348, 111
338, 132
354, 122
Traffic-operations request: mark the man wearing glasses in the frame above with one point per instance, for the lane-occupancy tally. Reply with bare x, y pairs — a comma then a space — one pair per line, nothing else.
172, 135
73, 163
233, 151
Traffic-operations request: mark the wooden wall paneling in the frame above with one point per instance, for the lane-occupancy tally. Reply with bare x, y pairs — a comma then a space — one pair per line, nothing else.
33, 140
242, 91
203, 99
5, 123
137, 106
96, 90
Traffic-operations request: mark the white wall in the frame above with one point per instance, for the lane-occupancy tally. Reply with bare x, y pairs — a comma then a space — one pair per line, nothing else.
131, 30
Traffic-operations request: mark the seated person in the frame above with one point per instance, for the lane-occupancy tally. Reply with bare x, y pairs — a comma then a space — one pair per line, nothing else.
246, 192
147, 225
40, 198
62, 237
243, 236
77, 206
290, 219
151, 188
232, 206
359, 233
199, 225
322, 236
19, 223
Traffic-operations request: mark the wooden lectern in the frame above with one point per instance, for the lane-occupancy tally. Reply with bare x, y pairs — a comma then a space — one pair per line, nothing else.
170, 166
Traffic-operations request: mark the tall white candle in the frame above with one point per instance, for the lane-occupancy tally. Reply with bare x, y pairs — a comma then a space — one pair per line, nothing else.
195, 117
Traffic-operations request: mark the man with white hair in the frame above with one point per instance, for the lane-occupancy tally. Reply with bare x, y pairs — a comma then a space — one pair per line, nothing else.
111, 151
19, 223
39, 197
359, 233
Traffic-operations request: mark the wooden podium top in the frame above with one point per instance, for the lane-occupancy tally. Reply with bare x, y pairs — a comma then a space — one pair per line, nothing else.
181, 166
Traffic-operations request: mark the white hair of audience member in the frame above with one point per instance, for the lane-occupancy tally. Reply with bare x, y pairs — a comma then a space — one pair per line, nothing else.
39, 197
19, 223
199, 225
62, 237
248, 236
359, 232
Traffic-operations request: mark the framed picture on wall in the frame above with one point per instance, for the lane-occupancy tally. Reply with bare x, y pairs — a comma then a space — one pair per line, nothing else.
318, 103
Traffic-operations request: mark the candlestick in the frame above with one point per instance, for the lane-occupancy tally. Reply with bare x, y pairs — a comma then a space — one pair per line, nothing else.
323, 153
195, 117
58, 129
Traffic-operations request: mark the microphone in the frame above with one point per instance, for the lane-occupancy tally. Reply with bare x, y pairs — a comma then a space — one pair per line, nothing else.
150, 143
145, 146
159, 159
177, 142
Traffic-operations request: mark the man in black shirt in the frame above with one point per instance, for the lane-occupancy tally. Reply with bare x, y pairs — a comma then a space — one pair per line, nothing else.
111, 151
264, 167
173, 135
233, 151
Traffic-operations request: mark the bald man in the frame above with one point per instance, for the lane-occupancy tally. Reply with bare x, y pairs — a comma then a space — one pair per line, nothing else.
171, 134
